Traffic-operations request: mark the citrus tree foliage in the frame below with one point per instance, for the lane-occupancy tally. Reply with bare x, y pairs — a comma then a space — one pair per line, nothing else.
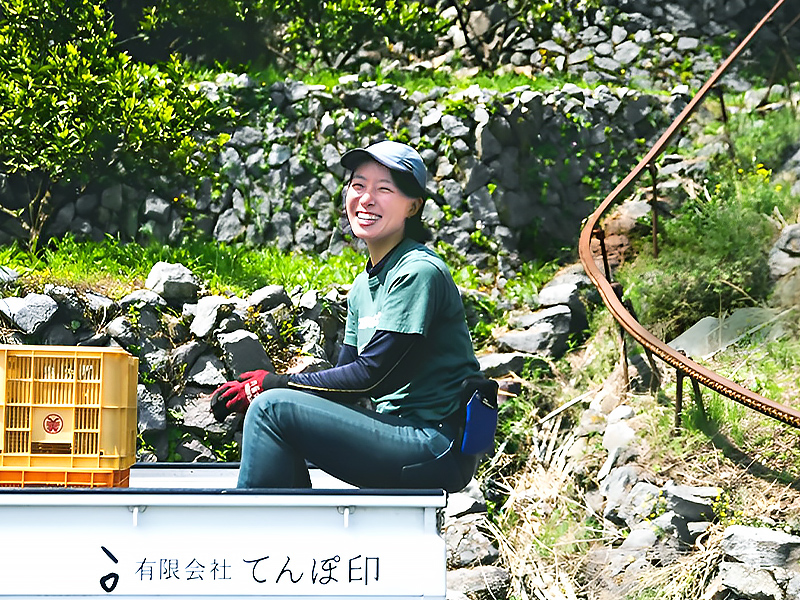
336, 30
204, 31
75, 108
257, 31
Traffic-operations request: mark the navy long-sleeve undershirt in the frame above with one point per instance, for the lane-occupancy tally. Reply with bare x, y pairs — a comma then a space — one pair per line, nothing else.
383, 366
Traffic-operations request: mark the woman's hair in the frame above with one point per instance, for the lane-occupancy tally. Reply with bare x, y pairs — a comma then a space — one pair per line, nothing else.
407, 184
415, 229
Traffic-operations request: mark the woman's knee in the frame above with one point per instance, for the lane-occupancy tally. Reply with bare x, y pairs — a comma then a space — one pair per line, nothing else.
262, 409
266, 400
277, 405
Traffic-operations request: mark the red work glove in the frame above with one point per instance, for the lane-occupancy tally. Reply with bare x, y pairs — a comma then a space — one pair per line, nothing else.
237, 395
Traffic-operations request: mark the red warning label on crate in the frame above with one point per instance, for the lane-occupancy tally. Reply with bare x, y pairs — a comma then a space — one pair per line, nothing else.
53, 424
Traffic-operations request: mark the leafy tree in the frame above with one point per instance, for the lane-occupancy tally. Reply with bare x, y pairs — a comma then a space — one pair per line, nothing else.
257, 31
336, 30
75, 108
204, 31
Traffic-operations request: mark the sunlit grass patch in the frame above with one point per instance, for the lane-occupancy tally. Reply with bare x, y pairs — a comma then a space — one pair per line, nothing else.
121, 267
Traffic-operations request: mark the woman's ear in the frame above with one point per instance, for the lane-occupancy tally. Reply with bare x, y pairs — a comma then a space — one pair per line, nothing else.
416, 205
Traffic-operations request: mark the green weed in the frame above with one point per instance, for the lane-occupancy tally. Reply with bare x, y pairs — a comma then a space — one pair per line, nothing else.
529, 280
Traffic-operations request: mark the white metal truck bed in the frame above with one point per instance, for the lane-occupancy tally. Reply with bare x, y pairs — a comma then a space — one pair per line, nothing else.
183, 531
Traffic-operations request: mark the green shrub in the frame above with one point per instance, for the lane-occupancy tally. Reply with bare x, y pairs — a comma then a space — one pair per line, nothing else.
764, 138
713, 253
532, 276
76, 109
337, 30
206, 31
713, 257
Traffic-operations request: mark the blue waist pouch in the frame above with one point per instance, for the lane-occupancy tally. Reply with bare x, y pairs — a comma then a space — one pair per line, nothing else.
480, 420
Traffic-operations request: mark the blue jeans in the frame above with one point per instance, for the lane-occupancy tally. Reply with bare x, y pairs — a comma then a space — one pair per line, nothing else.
285, 428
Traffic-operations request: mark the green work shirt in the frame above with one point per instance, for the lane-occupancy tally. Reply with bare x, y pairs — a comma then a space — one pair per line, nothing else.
414, 293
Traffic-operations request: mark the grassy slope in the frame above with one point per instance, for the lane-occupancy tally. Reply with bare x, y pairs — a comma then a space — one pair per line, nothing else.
544, 519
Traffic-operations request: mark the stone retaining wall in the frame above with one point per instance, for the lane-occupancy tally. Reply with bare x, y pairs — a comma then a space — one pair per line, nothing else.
511, 172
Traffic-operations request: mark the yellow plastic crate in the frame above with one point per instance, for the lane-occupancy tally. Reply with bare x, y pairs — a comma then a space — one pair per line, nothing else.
45, 478
67, 409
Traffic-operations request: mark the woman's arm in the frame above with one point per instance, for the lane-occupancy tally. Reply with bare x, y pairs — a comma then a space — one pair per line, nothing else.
347, 355
383, 366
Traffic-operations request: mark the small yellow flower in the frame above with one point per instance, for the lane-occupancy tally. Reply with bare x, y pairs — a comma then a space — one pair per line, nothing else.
778, 187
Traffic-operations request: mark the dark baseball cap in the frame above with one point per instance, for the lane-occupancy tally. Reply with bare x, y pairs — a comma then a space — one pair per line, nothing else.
393, 155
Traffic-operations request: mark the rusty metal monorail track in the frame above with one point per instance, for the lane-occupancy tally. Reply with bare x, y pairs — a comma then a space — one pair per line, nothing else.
608, 291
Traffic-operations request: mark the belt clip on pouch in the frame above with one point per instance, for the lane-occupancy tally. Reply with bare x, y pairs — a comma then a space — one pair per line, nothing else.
480, 423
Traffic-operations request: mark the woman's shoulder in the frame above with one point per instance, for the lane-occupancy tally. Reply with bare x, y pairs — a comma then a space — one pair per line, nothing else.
419, 263
415, 254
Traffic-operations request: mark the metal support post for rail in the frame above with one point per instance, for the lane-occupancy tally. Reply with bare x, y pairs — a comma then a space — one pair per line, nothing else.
654, 207
654, 375
724, 112
601, 237
784, 59
721, 97
617, 287
600, 234
678, 399
698, 398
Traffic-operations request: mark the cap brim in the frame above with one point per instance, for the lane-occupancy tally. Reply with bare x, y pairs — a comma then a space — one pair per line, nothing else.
352, 158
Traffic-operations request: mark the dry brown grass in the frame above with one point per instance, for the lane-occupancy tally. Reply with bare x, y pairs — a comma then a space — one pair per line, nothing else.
546, 526
689, 577
105, 285
542, 525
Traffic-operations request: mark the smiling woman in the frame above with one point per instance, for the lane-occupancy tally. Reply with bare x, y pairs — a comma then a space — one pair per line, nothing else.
385, 191
377, 209
406, 348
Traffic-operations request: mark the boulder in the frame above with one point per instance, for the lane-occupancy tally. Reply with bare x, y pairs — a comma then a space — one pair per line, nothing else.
172, 281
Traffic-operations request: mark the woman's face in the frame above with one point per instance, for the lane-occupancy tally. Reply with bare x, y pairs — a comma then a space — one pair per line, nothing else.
377, 209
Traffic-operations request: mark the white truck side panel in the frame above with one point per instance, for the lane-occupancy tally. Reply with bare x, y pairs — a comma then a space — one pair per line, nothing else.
221, 543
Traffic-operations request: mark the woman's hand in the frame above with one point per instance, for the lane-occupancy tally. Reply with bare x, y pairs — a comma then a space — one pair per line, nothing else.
237, 395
